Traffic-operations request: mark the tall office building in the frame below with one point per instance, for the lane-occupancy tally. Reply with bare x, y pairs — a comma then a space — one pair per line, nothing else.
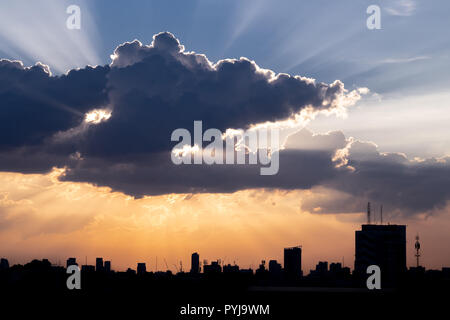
293, 262
195, 263
107, 267
384, 246
99, 264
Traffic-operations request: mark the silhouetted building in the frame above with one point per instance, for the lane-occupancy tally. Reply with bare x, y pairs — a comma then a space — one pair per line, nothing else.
321, 270
107, 266
71, 262
131, 271
212, 268
195, 263
99, 264
262, 269
416, 274
248, 272
293, 262
141, 268
384, 246
230, 268
336, 271
446, 272
274, 267
322, 267
4, 264
88, 268
335, 267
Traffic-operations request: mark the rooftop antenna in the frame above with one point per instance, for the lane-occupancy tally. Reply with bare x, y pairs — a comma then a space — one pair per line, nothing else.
368, 212
381, 214
417, 246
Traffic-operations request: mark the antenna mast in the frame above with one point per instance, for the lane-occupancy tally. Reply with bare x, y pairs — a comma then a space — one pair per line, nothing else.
381, 214
368, 212
417, 246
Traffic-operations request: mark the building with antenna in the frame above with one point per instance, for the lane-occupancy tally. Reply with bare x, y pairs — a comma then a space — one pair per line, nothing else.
381, 245
384, 246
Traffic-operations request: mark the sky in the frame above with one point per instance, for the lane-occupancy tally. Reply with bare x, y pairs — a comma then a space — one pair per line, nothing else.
363, 116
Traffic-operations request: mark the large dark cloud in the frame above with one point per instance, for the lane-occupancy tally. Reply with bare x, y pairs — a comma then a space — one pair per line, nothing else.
393, 179
158, 88
34, 105
155, 174
152, 90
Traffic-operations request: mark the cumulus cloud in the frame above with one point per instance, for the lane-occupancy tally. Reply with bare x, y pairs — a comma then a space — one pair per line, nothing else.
157, 88
111, 126
148, 90
34, 105
404, 186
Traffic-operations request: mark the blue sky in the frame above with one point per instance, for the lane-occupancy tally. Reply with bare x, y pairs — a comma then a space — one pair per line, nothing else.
326, 40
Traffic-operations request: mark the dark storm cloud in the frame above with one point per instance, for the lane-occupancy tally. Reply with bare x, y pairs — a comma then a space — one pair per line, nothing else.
34, 105
152, 90
156, 89
156, 174
396, 181
402, 185
355, 169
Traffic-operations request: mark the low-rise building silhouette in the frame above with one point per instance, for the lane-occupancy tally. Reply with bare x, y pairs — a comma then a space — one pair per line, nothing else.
87, 268
322, 267
141, 268
230, 268
71, 262
4, 264
274, 267
212, 268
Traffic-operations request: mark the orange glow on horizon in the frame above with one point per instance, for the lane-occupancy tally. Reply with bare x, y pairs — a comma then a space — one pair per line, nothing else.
42, 217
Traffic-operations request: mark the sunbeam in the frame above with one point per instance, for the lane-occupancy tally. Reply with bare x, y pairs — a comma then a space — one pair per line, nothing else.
40, 34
